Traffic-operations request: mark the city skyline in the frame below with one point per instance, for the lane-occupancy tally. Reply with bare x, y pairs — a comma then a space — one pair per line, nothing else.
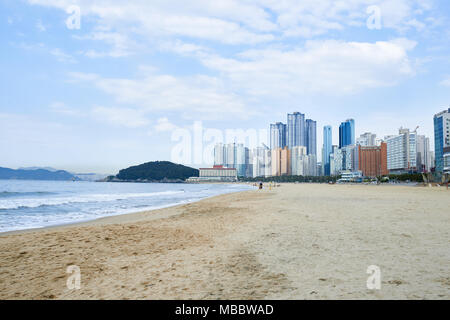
291, 151
110, 91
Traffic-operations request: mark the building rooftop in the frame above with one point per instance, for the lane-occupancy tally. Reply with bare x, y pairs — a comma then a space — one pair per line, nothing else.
218, 168
442, 113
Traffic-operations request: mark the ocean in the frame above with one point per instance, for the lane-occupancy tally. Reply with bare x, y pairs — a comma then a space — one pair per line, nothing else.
37, 204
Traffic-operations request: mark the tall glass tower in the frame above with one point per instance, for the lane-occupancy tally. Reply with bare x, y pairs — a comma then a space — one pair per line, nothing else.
347, 133
441, 138
311, 136
296, 130
327, 149
277, 135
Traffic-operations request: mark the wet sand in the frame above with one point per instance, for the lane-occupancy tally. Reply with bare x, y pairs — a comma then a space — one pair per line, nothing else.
298, 241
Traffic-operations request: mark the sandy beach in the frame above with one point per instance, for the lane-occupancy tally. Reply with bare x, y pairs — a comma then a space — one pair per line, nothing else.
298, 241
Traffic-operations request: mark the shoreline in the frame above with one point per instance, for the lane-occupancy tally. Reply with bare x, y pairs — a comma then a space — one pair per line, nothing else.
107, 219
298, 241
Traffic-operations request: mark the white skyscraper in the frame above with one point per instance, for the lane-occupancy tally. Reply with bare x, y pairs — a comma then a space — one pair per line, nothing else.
260, 161
402, 151
338, 162
240, 159
367, 139
423, 154
230, 155
350, 158
267, 163
219, 155
298, 157
277, 135
312, 165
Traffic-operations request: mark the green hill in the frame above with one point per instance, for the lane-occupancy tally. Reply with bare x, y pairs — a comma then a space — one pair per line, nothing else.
157, 171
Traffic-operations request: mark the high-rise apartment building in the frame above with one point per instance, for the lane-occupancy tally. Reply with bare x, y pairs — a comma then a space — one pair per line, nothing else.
367, 139
295, 130
372, 160
350, 158
281, 162
260, 162
301, 132
397, 157
311, 136
347, 133
275, 155
234, 155
248, 162
336, 161
298, 132
402, 151
311, 165
442, 140
267, 163
240, 163
423, 154
298, 156
285, 162
412, 148
327, 149
277, 135
219, 154
230, 155
332, 164
432, 160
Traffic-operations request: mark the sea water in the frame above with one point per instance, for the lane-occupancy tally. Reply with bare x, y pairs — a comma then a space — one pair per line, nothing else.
37, 204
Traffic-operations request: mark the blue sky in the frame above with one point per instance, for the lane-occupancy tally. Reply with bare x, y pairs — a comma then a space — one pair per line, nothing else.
111, 93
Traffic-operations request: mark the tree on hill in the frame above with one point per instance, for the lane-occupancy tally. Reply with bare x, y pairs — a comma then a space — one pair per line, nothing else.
157, 171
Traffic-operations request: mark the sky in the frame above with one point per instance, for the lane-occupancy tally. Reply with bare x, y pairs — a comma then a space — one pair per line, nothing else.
97, 86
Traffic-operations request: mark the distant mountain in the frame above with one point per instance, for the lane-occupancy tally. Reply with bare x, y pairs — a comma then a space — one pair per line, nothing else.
159, 171
38, 174
37, 168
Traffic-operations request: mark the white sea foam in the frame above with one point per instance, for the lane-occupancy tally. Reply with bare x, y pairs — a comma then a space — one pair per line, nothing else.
36, 204
54, 201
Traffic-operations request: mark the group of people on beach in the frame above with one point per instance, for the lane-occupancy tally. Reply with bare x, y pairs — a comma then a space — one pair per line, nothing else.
261, 186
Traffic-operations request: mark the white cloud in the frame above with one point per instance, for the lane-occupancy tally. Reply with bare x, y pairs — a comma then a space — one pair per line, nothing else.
323, 67
226, 21
310, 18
445, 82
248, 80
164, 125
125, 117
404, 14
245, 22
188, 96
